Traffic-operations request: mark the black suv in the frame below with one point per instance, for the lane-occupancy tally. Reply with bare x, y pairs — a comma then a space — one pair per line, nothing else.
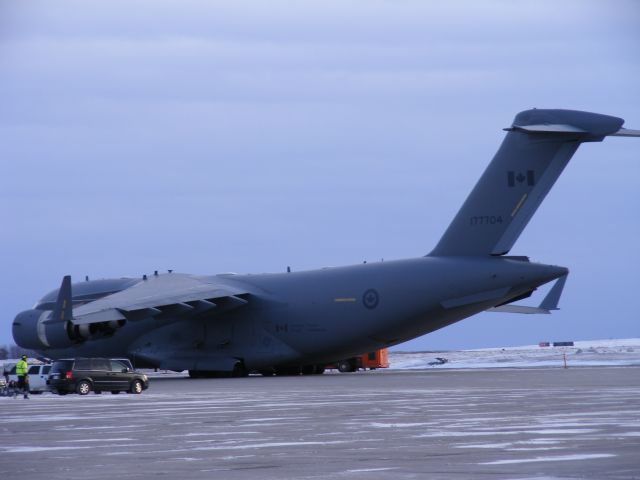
81, 375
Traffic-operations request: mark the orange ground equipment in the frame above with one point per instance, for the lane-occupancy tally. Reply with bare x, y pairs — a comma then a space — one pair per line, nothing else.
366, 361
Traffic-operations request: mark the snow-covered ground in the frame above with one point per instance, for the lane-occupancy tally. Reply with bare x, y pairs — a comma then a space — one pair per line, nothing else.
617, 352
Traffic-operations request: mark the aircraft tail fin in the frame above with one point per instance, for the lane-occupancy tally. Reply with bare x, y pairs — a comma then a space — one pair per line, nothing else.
63, 309
535, 151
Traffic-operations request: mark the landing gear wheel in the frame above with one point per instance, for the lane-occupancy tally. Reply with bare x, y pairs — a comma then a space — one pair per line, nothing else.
136, 387
346, 366
83, 387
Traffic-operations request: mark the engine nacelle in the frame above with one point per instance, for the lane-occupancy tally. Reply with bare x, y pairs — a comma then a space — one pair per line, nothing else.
30, 330
33, 330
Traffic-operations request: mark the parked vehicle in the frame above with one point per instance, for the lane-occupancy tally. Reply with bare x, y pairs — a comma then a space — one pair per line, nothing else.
83, 375
370, 360
38, 375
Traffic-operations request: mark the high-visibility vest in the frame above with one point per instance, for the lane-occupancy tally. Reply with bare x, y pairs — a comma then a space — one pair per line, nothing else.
21, 368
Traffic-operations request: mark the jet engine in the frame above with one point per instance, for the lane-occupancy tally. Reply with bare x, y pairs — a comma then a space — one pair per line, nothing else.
31, 330
35, 330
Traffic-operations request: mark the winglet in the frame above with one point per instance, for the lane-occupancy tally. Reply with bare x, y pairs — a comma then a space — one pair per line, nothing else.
63, 309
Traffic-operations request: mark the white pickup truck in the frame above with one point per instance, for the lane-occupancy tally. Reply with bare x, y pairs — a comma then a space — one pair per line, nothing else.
38, 375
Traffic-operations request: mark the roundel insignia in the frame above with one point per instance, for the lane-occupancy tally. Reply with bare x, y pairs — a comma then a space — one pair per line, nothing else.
370, 299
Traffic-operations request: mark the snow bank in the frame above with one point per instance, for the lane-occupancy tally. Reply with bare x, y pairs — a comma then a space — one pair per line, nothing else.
618, 352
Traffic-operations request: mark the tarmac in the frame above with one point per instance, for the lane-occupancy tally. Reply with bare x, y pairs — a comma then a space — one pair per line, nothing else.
550, 423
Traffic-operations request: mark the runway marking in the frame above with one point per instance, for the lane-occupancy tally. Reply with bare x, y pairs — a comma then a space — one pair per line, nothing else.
264, 445
362, 470
34, 449
462, 434
399, 425
486, 445
96, 440
534, 449
562, 458
71, 427
560, 431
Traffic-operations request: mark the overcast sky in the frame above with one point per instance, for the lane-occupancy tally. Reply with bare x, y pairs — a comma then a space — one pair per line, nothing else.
209, 137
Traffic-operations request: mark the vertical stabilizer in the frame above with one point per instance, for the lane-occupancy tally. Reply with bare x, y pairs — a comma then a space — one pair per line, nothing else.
532, 156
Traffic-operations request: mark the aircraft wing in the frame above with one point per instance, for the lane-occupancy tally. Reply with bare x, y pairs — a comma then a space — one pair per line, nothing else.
169, 293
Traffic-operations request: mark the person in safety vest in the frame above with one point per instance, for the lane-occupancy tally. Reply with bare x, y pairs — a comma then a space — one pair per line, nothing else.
22, 367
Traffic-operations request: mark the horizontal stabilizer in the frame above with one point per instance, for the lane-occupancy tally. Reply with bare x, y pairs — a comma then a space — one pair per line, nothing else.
519, 309
549, 302
548, 128
562, 128
626, 132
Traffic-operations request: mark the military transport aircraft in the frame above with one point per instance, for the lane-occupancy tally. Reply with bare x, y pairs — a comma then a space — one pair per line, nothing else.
299, 321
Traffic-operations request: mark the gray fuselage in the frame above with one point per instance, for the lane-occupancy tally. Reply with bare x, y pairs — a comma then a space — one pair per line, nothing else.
322, 315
